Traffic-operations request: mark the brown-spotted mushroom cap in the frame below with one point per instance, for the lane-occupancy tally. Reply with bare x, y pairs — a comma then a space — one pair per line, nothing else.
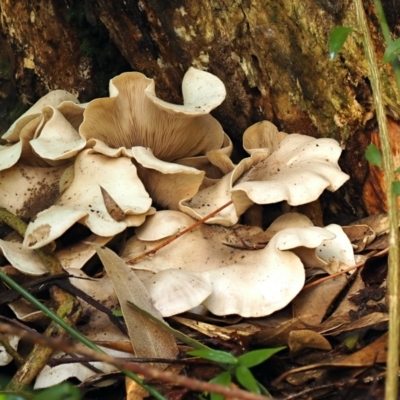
298, 171
84, 200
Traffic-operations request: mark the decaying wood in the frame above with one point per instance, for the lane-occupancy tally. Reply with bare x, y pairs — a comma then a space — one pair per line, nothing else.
272, 56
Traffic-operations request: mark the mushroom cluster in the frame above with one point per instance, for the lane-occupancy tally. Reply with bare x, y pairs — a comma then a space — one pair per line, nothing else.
134, 160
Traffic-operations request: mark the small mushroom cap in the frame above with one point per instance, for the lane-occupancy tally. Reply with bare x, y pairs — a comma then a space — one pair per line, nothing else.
201, 91
54, 98
24, 260
167, 183
156, 227
298, 172
262, 136
59, 138
174, 291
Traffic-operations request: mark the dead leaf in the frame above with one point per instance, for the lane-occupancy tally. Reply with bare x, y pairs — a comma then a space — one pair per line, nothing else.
148, 340
360, 236
304, 338
311, 305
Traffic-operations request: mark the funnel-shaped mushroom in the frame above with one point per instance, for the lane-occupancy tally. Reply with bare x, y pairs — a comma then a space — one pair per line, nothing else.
134, 116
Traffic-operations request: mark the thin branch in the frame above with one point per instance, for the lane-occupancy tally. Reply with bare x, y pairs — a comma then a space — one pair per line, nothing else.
391, 388
179, 234
359, 265
146, 371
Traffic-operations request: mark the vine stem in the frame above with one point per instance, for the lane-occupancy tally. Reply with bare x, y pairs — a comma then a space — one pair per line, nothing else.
392, 364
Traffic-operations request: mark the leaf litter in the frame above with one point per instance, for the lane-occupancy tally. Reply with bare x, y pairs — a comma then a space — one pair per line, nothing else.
140, 192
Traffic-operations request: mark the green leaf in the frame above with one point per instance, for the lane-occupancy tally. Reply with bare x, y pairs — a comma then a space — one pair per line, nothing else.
224, 379
337, 38
215, 355
397, 171
253, 358
63, 391
246, 379
396, 187
11, 396
373, 155
118, 313
392, 51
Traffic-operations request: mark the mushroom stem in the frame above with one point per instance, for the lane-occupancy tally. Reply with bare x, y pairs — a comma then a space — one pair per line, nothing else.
179, 234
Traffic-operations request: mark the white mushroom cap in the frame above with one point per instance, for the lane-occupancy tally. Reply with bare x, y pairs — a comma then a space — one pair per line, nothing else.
174, 291
298, 172
156, 227
24, 260
59, 138
84, 200
201, 91
270, 282
245, 282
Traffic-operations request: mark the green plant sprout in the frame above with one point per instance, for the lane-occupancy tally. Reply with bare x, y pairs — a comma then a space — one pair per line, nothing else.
238, 367
386, 162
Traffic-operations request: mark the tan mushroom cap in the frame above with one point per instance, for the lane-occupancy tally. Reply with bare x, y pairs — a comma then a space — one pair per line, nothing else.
84, 200
262, 136
155, 227
25, 190
57, 135
53, 98
134, 116
167, 183
174, 291
24, 260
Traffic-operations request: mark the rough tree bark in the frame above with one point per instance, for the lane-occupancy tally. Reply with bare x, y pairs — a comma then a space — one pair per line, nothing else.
272, 56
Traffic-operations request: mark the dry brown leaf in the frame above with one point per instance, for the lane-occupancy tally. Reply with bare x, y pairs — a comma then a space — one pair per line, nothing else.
304, 338
311, 305
360, 236
221, 332
148, 340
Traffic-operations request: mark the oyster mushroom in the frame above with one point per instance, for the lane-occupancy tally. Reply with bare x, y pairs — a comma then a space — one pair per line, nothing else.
134, 116
298, 170
84, 200
245, 282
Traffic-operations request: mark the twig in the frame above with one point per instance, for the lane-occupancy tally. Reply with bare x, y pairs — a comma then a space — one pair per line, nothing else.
179, 234
391, 387
68, 328
359, 265
146, 371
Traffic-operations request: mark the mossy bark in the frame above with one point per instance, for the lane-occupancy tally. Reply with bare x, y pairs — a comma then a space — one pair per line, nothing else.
272, 56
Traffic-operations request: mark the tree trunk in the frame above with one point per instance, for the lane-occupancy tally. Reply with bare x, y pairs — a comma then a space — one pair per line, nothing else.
272, 56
